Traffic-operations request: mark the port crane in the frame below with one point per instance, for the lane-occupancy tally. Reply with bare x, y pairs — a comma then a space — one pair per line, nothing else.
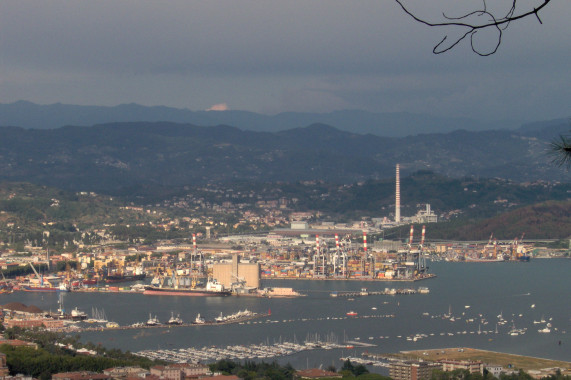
485, 253
319, 260
521, 253
339, 258
240, 282
415, 260
38, 276
196, 258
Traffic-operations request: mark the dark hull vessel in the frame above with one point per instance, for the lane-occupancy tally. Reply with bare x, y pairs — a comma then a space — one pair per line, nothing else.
196, 292
111, 279
28, 288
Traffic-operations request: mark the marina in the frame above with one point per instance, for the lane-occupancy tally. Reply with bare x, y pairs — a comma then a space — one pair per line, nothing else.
237, 352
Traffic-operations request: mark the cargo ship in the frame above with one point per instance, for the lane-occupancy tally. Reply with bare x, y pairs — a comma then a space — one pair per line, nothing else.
115, 278
43, 286
35, 288
182, 287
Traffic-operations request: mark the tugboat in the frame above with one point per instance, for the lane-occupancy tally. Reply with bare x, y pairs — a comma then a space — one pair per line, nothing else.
153, 321
174, 320
199, 320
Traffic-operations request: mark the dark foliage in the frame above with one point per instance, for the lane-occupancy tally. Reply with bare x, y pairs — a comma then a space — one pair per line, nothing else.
250, 370
128, 158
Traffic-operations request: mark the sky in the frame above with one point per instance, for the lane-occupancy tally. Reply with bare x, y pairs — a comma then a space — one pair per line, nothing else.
279, 56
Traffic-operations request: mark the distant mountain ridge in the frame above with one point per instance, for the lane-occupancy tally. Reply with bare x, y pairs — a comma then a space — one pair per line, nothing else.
120, 156
397, 124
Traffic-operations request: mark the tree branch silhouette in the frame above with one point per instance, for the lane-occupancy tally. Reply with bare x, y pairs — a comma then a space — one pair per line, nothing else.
561, 151
490, 21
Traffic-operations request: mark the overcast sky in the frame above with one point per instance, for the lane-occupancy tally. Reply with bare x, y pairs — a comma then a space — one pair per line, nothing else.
275, 56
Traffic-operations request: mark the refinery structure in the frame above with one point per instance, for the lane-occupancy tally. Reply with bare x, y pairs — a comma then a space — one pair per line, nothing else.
345, 260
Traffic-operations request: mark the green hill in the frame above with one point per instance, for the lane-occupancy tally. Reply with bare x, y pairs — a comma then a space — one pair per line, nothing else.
545, 220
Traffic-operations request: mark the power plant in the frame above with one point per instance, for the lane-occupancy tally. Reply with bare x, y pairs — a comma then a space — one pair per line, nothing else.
347, 261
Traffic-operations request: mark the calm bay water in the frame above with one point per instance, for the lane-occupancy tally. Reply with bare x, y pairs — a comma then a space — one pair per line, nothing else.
468, 289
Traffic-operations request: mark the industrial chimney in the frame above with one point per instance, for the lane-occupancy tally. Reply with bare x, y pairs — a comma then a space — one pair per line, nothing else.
397, 196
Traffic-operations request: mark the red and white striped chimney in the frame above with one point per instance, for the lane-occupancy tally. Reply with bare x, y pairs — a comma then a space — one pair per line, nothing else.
411, 232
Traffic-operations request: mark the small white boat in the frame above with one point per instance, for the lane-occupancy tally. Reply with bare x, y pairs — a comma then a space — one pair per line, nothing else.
153, 321
199, 320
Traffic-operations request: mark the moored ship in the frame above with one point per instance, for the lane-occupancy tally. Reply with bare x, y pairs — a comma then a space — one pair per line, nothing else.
78, 315
124, 278
176, 287
43, 286
39, 288
175, 320
121, 274
153, 321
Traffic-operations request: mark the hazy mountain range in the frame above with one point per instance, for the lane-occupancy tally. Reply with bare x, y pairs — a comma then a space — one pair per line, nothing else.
29, 115
121, 157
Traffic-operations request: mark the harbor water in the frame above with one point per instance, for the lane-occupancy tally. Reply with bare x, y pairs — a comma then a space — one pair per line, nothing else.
462, 309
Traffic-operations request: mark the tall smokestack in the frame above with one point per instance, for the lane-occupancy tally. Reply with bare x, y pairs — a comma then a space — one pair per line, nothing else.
397, 196
365, 243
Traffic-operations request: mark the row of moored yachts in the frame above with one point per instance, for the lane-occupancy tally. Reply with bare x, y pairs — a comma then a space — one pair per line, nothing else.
236, 352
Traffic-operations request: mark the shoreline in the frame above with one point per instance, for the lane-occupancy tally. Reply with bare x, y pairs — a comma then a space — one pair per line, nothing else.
487, 356
426, 277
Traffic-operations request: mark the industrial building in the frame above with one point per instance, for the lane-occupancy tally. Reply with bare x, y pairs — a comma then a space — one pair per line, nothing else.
236, 274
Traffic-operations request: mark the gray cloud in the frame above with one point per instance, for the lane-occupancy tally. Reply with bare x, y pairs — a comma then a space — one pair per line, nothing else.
311, 55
